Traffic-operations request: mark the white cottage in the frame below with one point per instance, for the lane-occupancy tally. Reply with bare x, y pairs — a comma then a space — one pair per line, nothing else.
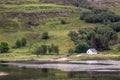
92, 51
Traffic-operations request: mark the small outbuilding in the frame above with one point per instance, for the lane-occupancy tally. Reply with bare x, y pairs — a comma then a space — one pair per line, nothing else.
92, 51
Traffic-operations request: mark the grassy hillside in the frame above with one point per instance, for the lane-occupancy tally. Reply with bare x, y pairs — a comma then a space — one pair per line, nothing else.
30, 18
33, 17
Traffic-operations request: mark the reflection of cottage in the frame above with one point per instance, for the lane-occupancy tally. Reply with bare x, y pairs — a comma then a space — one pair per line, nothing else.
92, 51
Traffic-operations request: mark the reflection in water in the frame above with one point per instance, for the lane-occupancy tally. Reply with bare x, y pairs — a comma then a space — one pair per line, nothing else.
53, 74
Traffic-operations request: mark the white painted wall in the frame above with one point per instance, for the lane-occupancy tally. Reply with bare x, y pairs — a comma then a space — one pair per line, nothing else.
90, 52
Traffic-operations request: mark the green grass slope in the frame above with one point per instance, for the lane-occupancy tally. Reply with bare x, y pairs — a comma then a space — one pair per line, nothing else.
30, 18
15, 23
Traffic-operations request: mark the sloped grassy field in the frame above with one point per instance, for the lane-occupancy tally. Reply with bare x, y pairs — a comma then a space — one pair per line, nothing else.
43, 17
30, 18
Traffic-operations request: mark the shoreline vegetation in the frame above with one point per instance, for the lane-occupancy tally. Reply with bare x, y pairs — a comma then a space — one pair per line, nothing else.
49, 58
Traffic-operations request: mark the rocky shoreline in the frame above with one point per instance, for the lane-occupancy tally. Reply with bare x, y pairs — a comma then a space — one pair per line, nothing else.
3, 73
70, 65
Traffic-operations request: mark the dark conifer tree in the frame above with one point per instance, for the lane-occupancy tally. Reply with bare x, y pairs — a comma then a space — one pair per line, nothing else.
93, 40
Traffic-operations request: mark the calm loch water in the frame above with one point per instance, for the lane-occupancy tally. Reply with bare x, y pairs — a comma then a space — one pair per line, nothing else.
23, 73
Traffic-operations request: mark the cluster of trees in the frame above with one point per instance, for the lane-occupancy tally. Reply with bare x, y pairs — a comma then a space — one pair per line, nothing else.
100, 38
81, 47
45, 35
96, 15
47, 49
63, 21
99, 16
4, 48
82, 3
118, 47
115, 26
20, 43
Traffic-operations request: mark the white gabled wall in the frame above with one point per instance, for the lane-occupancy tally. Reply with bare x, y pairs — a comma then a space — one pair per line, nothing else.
90, 52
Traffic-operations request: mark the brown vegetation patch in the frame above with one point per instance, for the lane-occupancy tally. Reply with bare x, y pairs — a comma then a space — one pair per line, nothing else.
37, 14
103, 2
68, 2
65, 2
